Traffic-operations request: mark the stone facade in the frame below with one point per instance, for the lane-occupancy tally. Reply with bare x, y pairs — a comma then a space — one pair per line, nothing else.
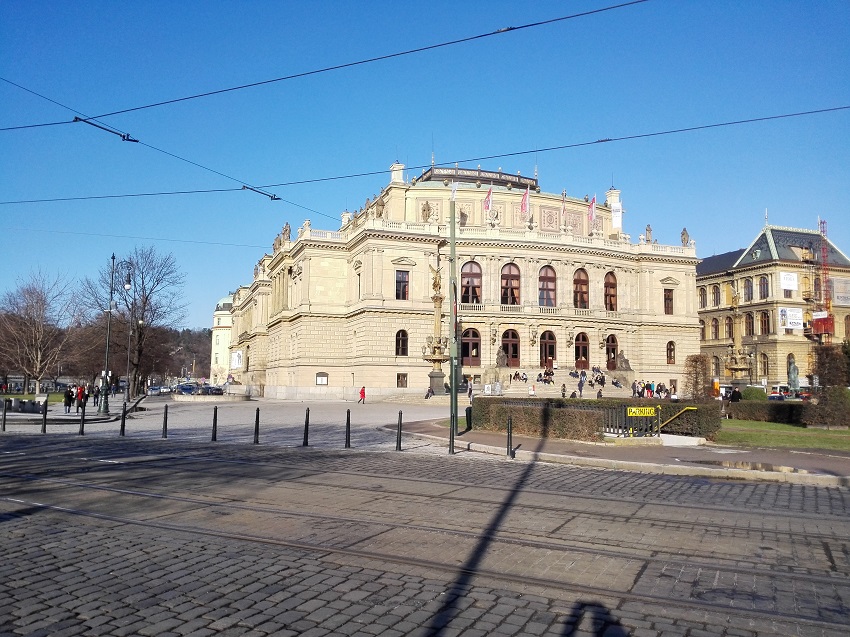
330, 311
221, 330
748, 300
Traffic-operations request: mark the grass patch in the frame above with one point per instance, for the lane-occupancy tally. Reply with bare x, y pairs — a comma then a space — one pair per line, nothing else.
749, 433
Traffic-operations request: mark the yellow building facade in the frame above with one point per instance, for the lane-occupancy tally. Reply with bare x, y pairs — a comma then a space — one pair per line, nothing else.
543, 280
766, 306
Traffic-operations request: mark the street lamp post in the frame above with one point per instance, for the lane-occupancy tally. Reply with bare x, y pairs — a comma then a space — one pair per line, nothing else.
103, 407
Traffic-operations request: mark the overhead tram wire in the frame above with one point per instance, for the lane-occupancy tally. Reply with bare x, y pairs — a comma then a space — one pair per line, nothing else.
606, 140
92, 121
136, 237
344, 65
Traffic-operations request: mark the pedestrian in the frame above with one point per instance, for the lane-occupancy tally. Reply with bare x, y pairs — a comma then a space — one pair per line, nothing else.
735, 396
96, 395
599, 394
81, 397
469, 393
563, 390
68, 399
362, 396
580, 387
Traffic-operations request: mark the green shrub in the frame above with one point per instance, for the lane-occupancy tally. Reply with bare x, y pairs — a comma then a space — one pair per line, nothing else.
753, 393
831, 410
787, 412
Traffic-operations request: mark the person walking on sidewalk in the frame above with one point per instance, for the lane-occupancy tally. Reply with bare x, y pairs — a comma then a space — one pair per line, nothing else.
362, 396
68, 399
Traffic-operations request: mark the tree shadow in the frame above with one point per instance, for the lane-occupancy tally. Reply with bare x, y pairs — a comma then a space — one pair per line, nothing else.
593, 618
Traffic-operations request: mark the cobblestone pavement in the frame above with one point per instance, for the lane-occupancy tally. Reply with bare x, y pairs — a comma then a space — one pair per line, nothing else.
144, 536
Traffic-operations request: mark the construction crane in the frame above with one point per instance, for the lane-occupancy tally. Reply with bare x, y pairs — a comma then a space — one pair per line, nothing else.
823, 322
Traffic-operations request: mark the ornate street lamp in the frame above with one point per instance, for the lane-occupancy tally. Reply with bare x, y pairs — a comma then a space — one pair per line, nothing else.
103, 407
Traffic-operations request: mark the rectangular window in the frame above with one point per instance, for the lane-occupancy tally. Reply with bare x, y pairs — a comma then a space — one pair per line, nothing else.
402, 282
789, 294
401, 380
668, 301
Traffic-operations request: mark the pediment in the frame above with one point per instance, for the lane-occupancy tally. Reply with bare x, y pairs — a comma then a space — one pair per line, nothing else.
670, 281
404, 261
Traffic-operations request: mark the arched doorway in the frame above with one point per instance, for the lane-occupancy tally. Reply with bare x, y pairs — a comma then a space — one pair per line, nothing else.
470, 348
582, 351
611, 352
510, 345
548, 349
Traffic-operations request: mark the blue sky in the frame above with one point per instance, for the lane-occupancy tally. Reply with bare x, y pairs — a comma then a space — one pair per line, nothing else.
655, 66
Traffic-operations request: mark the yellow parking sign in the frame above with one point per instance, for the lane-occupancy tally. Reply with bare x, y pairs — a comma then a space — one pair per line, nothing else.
640, 411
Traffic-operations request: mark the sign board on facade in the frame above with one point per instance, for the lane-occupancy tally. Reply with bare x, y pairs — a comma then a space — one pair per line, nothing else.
791, 318
788, 280
820, 315
617, 215
840, 291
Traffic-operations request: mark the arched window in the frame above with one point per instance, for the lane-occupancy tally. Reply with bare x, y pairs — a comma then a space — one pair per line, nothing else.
470, 348
715, 296
703, 298
548, 349
817, 288
611, 292
764, 323
764, 365
847, 327
581, 286
546, 287
470, 283
748, 289
715, 329
401, 343
611, 352
764, 289
715, 366
671, 353
216, 339
727, 327
582, 350
749, 324
510, 345
702, 330
510, 284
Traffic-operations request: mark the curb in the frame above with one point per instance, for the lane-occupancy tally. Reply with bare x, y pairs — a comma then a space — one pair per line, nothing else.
647, 467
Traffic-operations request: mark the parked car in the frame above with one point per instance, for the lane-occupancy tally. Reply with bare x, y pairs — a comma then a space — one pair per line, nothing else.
153, 390
185, 389
165, 389
776, 396
216, 391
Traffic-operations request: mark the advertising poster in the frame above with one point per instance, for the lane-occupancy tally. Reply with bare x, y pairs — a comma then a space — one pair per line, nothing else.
840, 291
236, 359
788, 280
791, 318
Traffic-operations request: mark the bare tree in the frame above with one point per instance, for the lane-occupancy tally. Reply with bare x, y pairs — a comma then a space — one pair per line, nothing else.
147, 287
34, 323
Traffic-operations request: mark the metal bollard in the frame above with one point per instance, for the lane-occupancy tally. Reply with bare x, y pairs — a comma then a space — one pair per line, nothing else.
83, 421
398, 433
469, 418
44, 417
257, 427
510, 437
123, 419
306, 428
165, 422
5, 406
215, 423
452, 429
348, 429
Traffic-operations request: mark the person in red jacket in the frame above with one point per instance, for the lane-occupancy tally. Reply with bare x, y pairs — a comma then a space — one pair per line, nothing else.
362, 396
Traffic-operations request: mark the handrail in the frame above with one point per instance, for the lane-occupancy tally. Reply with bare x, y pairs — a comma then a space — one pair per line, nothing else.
677, 415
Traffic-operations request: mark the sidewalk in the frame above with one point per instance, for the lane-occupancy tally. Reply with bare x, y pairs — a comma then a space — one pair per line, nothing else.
677, 456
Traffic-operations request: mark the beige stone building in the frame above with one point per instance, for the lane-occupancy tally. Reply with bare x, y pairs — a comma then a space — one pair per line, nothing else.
764, 308
543, 280
220, 342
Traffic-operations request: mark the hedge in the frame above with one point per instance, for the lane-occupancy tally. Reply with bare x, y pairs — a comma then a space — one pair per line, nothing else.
577, 419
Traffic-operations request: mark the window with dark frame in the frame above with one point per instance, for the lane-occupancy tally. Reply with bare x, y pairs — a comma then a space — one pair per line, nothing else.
611, 292
401, 343
470, 283
671, 353
510, 284
668, 301
581, 290
401, 380
402, 285
547, 287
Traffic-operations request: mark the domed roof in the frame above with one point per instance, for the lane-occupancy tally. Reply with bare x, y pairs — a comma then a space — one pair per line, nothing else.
224, 304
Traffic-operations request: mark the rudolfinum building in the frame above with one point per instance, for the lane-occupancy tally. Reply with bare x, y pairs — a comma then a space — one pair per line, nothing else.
544, 280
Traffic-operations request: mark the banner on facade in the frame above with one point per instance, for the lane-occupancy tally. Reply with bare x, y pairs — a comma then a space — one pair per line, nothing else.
791, 318
840, 291
788, 280
236, 359
617, 215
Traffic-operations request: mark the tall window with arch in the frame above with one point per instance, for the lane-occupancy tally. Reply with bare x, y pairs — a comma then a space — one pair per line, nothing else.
715, 329
749, 324
401, 343
510, 284
748, 289
764, 288
702, 330
547, 287
764, 323
715, 296
470, 283
581, 289
703, 298
671, 353
728, 330
582, 351
715, 366
510, 345
470, 348
611, 292
611, 352
764, 365
548, 349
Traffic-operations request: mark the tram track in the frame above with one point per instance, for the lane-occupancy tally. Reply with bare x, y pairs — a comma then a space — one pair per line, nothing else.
632, 594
